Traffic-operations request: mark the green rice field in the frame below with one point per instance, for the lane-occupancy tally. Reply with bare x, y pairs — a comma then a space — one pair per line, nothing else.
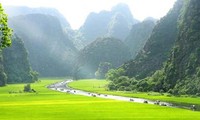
52, 105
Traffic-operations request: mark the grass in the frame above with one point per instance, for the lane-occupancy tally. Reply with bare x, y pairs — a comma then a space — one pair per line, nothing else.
99, 86
53, 105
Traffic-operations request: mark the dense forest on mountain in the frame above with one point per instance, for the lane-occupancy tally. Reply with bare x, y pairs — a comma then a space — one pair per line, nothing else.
102, 50
51, 53
157, 48
16, 63
180, 72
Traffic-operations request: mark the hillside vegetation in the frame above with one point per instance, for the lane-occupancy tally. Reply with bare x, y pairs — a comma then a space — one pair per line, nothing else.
16, 63
102, 50
180, 72
158, 46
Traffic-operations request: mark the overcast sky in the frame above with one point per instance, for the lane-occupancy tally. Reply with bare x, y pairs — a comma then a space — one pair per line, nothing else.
76, 11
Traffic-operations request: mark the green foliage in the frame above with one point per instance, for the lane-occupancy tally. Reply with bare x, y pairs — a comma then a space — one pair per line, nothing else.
114, 74
180, 74
5, 41
182, 69
5, 31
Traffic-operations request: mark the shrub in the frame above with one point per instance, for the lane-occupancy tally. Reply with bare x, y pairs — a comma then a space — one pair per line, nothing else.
27, 88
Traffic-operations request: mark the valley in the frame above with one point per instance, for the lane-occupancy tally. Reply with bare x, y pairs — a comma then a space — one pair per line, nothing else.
114, 66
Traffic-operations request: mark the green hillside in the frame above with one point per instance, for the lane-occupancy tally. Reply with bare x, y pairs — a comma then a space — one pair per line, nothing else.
102, 50
158, 46
16, 63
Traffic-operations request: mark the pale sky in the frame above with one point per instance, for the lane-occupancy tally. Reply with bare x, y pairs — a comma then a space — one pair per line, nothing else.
76, 11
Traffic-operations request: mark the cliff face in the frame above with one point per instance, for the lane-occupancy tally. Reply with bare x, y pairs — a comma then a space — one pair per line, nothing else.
51, 52
115, 23
158, 46
138, 36
182, 70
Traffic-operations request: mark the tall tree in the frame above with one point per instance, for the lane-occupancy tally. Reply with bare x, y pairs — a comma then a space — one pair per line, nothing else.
5, 41
5, 31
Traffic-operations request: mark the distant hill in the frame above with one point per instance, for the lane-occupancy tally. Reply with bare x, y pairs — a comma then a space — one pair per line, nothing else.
16, 63
23, 10
109, 50
139, 34
115, 23
51, 52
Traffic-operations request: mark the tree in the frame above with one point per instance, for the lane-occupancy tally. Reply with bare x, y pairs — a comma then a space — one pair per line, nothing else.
5, 41
114, 74
5, 31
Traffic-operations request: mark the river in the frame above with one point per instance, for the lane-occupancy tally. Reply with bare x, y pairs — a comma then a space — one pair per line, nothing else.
63, 87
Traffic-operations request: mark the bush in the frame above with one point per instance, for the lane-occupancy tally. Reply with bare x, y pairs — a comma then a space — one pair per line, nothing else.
128, 89
198, 94
161, 91
112, 86
121, 88
27, 88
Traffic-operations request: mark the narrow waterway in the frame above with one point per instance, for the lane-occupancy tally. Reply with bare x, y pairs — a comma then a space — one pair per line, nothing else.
63, 87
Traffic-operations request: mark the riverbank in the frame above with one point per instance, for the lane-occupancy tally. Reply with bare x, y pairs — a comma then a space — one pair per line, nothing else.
99, 86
